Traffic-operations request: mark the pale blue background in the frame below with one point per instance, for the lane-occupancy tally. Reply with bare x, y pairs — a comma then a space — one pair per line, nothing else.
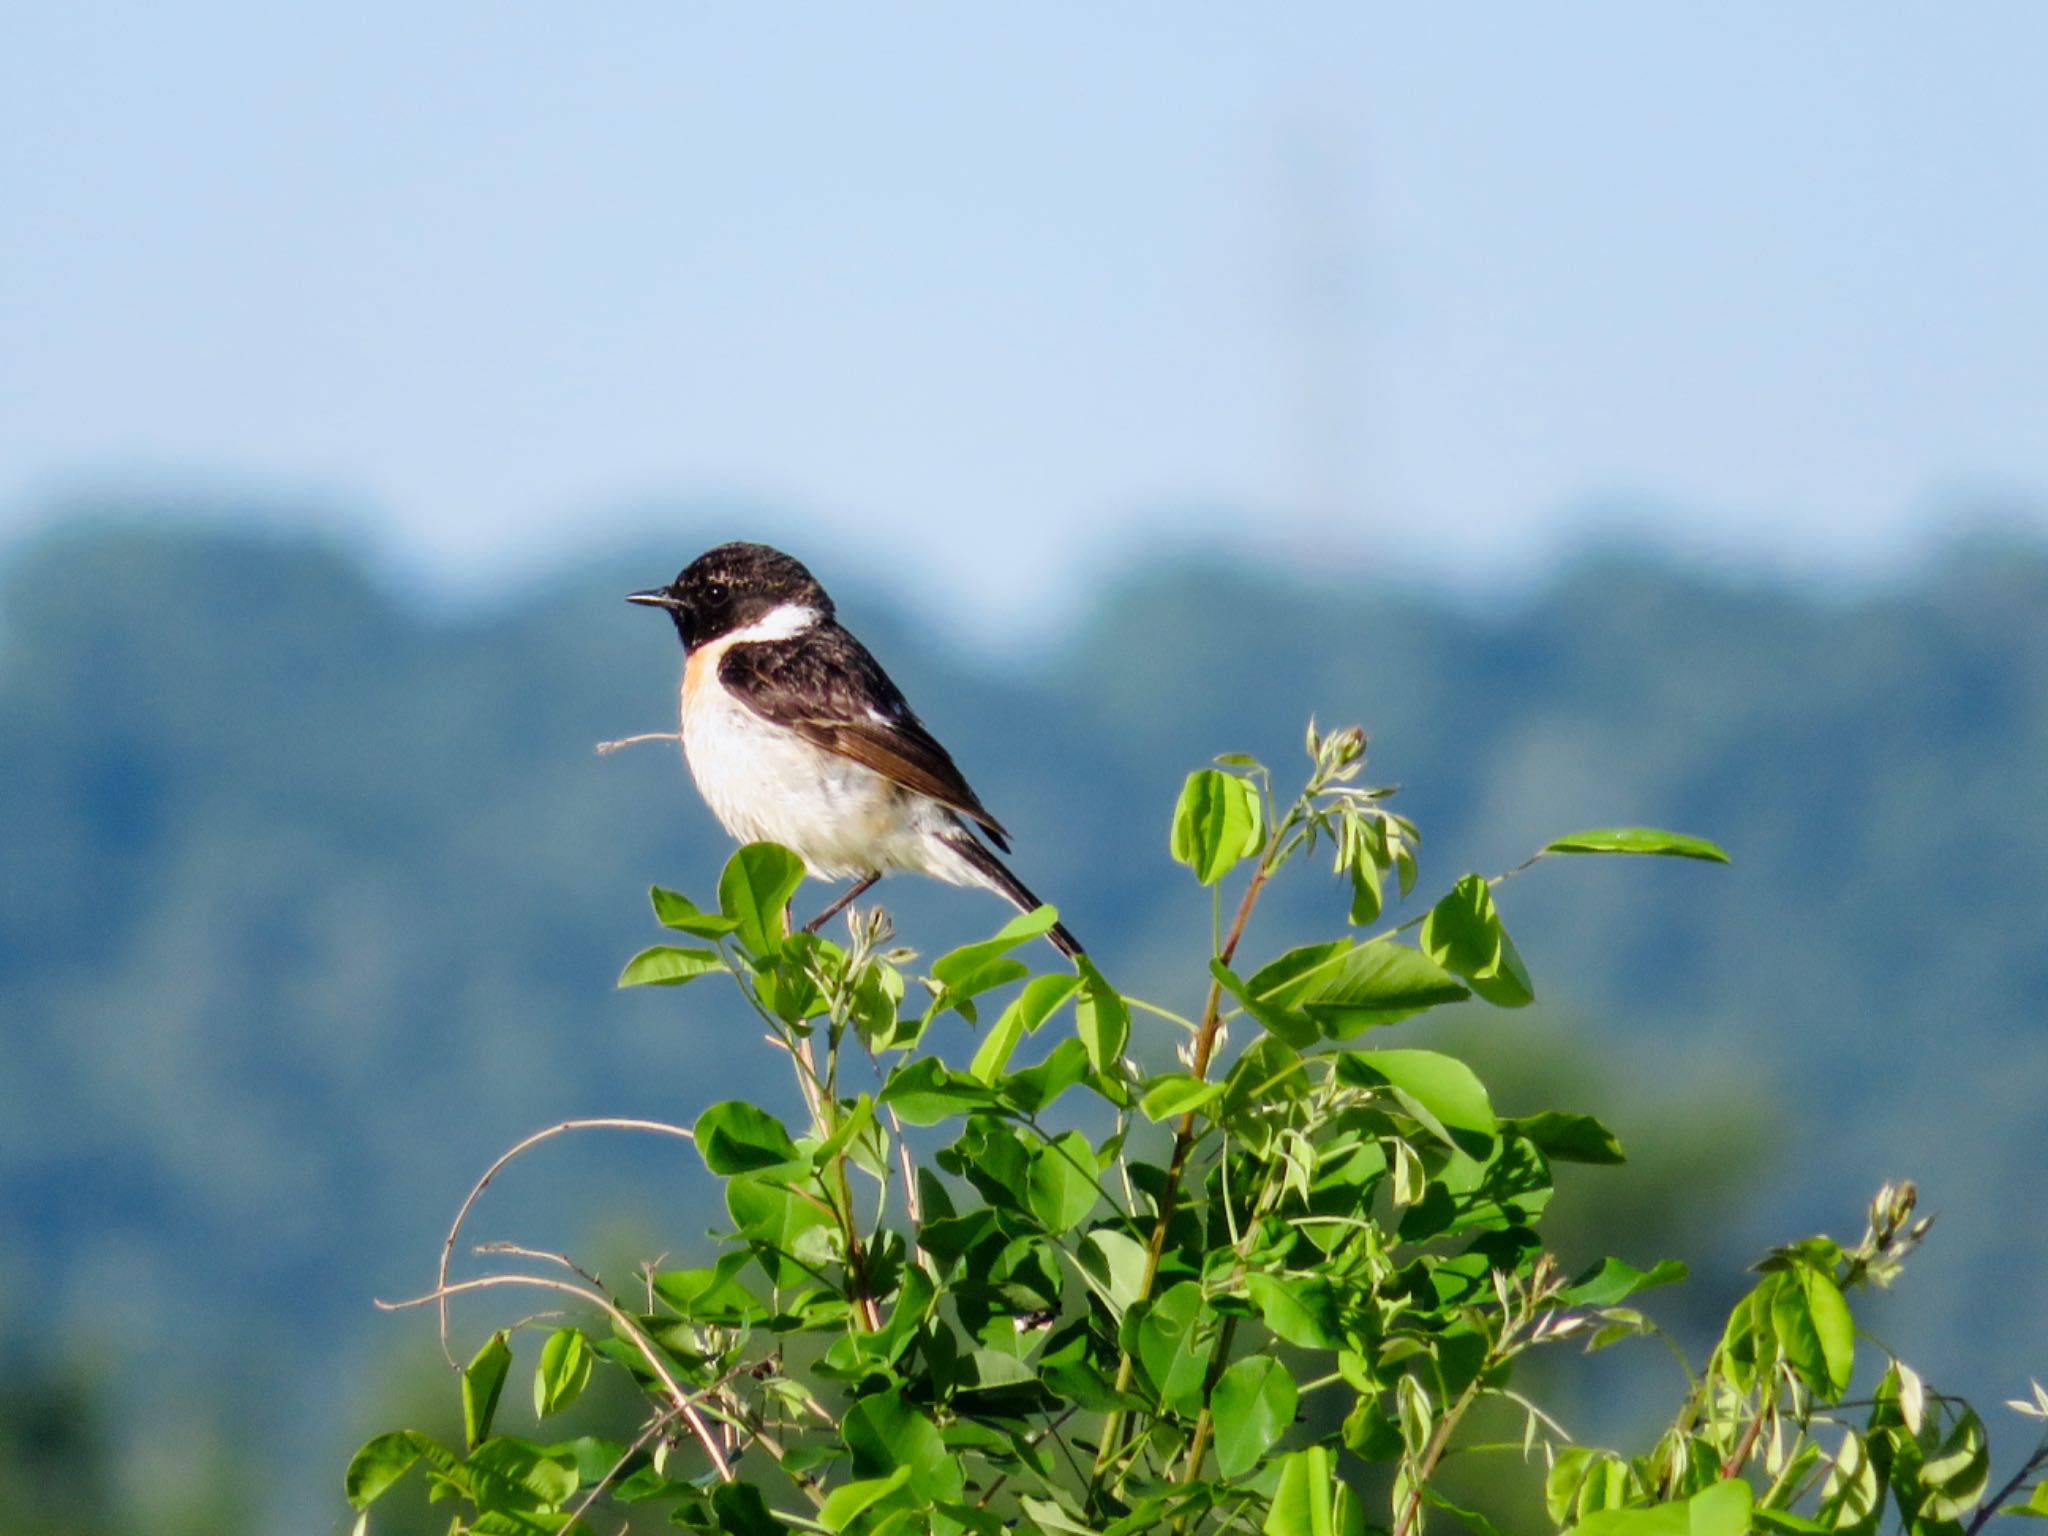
1430, 291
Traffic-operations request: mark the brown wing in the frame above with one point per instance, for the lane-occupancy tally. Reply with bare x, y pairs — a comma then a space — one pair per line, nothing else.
825, 686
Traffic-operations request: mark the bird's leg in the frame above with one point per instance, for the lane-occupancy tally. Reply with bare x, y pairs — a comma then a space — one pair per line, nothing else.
841, 902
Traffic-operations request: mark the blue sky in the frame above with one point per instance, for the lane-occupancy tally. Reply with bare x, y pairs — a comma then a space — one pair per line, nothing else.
1007, 289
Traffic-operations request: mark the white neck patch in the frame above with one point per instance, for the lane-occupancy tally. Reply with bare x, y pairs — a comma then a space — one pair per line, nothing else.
783, 623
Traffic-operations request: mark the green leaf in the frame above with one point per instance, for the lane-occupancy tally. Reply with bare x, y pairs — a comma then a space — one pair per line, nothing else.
788, 985
991, 1369
511, 1474
1569, 1467
1293, 976
1174, 1094
1722, 1510
780, 1223
1047, 1516
754, 890
1833, 1326
1784, 1522
1611, 1281
850, 1500
595, 1457
482, 1380
1252, 1406
851, 1124
1217, 823
1852, 1498
1378, 983
1366, 900
1369, 1432
1101, 1021
913, 1302
741, 1511
380, 1463
1299, 1309
1297, 1029
1814, 1329
1567, 1138
735, 1137
2036, 1506
1472, 1520
1309, 1499
886, 1434
1442, 1087
672, 909
711, 1295
563, 1373
1958, 1471
1637, 840
1463, 934
1030, 1008
1032, 1088
1060, 1186
923, 1092
1162, 1334
1117, 1261
665, 965
958, 970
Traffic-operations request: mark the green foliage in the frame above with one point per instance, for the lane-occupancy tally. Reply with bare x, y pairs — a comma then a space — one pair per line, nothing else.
1074, 1296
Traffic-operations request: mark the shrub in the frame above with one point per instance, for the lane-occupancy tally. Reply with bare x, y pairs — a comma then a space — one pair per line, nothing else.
1073, 1295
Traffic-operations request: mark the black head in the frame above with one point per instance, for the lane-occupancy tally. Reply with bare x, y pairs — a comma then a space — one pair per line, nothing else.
732, 586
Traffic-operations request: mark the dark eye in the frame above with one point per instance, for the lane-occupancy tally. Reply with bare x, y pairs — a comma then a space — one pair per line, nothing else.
715, 593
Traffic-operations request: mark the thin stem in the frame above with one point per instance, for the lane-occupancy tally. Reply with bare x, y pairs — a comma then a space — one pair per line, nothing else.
1163, 1013
1491, 881
1183, 1142
825, 1112
1735, 1458
1219, 1356
2017, 1481
608, 1123
606, 748
622, 1320
655, 1426
818, 1100
1432, 1453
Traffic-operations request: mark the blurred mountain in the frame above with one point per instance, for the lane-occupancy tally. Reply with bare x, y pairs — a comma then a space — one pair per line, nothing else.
313, 899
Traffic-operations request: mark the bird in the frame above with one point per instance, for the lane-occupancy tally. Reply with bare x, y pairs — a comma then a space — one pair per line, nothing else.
795, 735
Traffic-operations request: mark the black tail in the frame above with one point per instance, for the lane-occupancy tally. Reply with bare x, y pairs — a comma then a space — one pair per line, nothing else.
1010, 888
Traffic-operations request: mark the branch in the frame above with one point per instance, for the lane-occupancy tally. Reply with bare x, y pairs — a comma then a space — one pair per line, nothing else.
654, 1427
448, 1243
606, 748
1996, 1502
1433, 1453
620, 1320
1184, 1140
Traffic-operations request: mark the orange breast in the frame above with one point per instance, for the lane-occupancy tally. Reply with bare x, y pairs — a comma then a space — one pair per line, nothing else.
700, 672
696, 671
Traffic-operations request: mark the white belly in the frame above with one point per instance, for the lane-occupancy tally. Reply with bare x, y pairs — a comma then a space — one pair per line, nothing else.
765, 783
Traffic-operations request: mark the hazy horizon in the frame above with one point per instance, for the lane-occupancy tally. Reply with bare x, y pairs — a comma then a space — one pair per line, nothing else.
1021, 290
999, 617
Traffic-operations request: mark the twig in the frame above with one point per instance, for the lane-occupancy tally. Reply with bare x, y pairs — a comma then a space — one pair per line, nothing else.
660, 1422
1183, 1144
1996, 1502
622, 1320
609, 1123
606, 748
1439, 1442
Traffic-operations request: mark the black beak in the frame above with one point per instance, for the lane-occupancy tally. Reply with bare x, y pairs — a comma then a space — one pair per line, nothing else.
656, 597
